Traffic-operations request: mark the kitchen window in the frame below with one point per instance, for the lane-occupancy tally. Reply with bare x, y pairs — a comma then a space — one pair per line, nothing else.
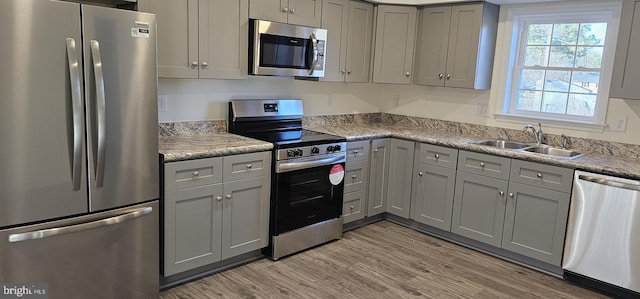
559, 64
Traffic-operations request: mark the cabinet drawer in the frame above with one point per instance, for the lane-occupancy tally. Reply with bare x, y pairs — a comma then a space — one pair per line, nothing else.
192, 173
356, 176
438, 155
541, 175
246, 166
353, 206
492, 166
358, 151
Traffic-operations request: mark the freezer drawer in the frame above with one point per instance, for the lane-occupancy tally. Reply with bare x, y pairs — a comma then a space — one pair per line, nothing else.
107, 255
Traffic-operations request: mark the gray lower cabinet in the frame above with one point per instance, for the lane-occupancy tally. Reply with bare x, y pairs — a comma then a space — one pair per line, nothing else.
354, 206
626, 68
401, 155
517, 205
378, 176
433, 185
214, 209
356, 181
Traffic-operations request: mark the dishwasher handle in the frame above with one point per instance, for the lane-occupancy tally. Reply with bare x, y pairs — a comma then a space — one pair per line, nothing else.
608, 182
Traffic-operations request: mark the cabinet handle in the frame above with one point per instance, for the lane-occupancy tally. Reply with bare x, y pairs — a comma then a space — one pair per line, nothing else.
204, 64
420, 173
440, 76
194, 64
448, 77
355, 152
292, 11
343, 71
436, 156
218, 198
501, 193
249, 165
228, 196
511, 194
407, 74
348, 72
285, 10
352, 207
375, 150
196, 173
481, 164
354, 176
539, 175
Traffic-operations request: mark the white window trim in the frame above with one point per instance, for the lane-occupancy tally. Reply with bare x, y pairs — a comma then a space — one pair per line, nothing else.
506, 56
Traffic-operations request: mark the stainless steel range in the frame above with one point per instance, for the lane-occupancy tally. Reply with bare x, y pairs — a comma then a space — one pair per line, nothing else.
307, 175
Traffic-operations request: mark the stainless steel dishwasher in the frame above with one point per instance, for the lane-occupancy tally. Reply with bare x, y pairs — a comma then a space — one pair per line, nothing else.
602, 247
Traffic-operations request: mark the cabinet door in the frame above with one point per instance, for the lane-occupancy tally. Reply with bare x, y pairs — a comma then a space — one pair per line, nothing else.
245, 220
335, 20
270, 10
478, 208
464, 38
353, 206
356, 176
177, 37
535, 222
400, 174
358, 59
378, 177
395, 38
305, 12
223, 31
626, 68
433, 42
192, 228
432, 195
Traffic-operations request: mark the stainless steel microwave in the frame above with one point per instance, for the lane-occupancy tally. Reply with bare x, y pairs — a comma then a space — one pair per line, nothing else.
277, 49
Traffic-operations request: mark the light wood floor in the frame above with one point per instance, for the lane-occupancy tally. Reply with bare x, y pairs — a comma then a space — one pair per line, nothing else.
382, 260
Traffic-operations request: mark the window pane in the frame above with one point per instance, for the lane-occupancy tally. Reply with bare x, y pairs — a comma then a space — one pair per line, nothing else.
557, 81
529, 100
539, 34
585, 82
531, 79
554, 102
565, 34
590, 57
562, 56
592, 34
582, 105
536, 55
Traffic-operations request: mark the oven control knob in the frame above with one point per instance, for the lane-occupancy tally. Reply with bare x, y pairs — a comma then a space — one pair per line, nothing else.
337, 148
329, 148
298, 152
291, 153
315, 150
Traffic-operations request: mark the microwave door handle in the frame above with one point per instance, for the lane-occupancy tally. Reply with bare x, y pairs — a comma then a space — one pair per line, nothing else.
313, 53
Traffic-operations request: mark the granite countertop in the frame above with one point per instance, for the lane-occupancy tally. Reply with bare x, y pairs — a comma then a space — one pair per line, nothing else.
179, 148
600, 163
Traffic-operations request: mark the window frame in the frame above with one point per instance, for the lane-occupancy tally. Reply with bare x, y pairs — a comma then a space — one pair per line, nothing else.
515, 18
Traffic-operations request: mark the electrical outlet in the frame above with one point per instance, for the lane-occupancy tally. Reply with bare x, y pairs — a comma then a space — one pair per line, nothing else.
619, 124
483, 110
162, 102
396, 101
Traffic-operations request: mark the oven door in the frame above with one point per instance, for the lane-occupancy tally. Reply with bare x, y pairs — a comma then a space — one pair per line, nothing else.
308, 195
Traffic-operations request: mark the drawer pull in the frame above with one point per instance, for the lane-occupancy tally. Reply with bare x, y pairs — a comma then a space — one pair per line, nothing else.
352, 207
501, 193
249, 165
511, 194
437, 156
196, 173
420, 173
354, 176
218, 198
375, 150
228, 196
355, 152
481, 164
539, 175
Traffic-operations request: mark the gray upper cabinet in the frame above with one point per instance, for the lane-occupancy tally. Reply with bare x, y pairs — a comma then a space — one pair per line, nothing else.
378, 177
350, 24
456, 45
400, 174
298, 12
202, 38
626, 68
394, 44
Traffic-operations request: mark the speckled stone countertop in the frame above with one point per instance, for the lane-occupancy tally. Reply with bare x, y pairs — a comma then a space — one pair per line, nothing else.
178, 148
606, 164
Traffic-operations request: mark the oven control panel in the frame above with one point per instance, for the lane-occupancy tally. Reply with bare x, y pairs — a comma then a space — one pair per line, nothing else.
311, 150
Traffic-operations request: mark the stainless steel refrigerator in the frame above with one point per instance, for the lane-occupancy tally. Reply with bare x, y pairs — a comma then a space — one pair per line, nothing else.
78, 149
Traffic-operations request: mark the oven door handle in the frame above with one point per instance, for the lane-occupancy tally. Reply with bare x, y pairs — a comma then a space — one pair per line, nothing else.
286, 166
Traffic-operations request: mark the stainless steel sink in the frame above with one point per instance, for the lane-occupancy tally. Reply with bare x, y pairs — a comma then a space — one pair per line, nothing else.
553, 151
504, 144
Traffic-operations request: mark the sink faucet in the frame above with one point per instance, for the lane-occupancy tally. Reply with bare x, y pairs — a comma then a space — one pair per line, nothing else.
536, 133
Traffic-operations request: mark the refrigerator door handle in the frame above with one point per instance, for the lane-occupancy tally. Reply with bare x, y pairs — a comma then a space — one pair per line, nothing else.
99, 160
76, 104
50, 232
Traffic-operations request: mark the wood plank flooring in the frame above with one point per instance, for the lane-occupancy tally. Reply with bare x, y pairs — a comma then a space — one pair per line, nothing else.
382, 260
